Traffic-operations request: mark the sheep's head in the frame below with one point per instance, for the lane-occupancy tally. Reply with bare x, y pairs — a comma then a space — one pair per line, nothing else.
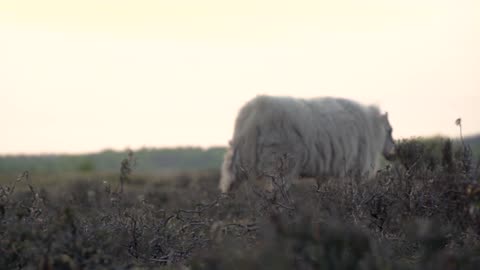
388, 150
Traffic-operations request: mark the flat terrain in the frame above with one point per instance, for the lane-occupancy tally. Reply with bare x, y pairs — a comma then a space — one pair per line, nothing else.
413, 216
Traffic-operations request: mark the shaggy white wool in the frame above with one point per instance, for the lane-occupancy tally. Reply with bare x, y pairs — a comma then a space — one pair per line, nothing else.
319, 138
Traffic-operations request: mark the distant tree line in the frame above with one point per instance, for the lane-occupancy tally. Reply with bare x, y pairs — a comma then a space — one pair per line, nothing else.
153, 160
147, 160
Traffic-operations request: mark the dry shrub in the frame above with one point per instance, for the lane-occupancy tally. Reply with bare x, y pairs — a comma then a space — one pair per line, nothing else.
424, 217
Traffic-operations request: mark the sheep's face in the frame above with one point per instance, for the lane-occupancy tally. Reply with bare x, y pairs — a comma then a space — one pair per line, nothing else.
389, 144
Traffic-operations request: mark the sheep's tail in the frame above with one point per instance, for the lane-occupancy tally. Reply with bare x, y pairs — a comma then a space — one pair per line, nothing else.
239, 163
227, 176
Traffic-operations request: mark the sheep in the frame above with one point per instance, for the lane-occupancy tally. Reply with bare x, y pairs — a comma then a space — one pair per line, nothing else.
295, 138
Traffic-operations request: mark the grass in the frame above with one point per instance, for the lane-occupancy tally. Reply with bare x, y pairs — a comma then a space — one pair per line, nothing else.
421, 212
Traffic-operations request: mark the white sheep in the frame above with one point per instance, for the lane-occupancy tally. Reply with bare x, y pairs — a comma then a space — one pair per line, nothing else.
316, 138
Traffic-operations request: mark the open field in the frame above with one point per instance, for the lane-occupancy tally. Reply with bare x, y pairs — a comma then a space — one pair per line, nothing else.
422, 212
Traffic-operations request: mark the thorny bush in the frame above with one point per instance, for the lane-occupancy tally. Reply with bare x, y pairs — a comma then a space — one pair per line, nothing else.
416, 214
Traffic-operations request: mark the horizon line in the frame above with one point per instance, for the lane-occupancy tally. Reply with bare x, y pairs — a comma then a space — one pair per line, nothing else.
186, 146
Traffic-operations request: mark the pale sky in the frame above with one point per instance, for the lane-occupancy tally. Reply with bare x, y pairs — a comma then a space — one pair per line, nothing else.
82, 76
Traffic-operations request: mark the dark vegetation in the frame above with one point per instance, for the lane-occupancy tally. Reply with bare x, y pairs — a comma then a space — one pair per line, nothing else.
149, 161
421, 212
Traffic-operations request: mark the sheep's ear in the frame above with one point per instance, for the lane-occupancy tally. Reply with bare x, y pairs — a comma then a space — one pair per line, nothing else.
385, 115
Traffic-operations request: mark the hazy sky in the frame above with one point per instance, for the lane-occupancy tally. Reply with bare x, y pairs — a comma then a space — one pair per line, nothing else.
79, 76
